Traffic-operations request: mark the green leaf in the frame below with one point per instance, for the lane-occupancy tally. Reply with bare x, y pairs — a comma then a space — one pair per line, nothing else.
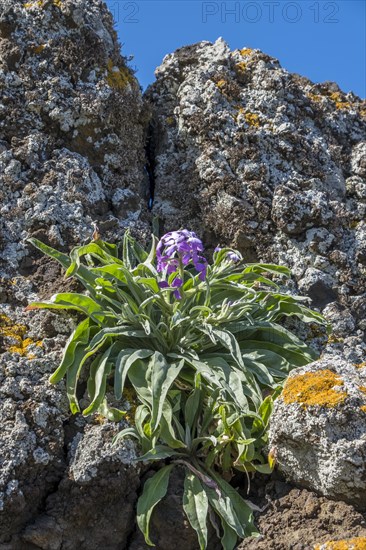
111, 413
141, 415
225, 509
229, 538
263, 468
84, 274
132, 251
163, 374
159, 452
95, 249
106, 333
73, 373
195, 505
69, 300
99, 380
265, 410
132, 432
155, 489
167, 433
243, 512
79, 336
192, 407
269, 268
63, 259
139, 375
125, 360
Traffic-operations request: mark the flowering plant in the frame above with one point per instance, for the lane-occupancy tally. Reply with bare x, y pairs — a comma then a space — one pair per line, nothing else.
200, 345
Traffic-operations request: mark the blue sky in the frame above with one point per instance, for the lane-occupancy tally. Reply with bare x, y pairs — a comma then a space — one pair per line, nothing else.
320, 39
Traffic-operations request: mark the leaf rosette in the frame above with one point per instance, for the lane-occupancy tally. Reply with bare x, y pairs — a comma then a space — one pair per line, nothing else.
201, 345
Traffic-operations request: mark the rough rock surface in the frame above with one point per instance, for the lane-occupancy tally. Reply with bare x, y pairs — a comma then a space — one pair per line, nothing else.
318, 429
71, 126
297, 519
240, 150
94, 507
72, 133
250, 155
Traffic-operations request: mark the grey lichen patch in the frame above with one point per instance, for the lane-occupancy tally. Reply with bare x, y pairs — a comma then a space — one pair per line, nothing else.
90, 451
79, 132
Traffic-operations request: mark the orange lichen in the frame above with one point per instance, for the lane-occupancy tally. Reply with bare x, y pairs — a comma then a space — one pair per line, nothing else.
118, 77
358, 543
363, 408
314, 388
15, 333
246, 51
252, 119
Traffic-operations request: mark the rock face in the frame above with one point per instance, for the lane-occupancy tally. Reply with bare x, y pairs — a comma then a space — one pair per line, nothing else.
298, 519
318, 429
94, 507
251, 155
241, 151
72, 129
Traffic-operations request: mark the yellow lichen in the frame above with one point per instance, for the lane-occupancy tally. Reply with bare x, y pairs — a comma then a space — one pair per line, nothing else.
361, 365
118, 77
333, 339
342, 105
314, 97
358, 543
221, 84
39, 49
16, 333
246, 51
363, 408
42, 3
170, 120
252, 119
339, 101
99, 419
314, 388
240, 67
130, 395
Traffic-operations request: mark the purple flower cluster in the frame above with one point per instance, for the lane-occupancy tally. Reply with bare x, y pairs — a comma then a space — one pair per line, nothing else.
175, 284
179, 248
